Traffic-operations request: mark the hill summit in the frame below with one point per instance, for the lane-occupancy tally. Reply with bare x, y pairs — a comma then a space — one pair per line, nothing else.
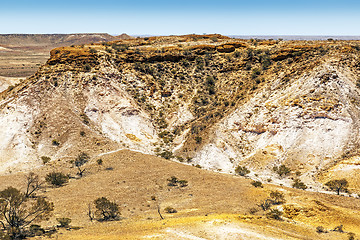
206, 100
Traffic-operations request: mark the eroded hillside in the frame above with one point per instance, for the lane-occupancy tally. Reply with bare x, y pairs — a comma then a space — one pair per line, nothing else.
207, 100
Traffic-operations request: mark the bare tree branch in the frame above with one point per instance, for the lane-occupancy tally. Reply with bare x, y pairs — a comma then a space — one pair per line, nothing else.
33, 184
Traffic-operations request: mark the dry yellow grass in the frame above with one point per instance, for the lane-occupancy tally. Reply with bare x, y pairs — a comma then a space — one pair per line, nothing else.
210, 203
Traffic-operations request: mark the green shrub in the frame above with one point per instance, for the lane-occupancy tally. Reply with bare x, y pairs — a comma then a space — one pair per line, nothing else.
265, 61
170, 210
183, 183
274, 214
35, 230
256, 72
299, 184
56, 179
64, 222
320, 229
106, 210
282, 170
339, 228
174, 181
351, 236
85, 118
166, 136
210, 84
277, 197
120, 48
55, 142
99, 161
198, 139
166, 154
257, 184
242, 171
266, 204
45, 159
87, 68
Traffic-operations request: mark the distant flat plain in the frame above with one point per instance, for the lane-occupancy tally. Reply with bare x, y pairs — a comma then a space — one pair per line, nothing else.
19, 62
22, 54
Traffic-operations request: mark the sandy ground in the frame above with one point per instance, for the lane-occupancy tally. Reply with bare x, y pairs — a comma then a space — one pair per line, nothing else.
212, 206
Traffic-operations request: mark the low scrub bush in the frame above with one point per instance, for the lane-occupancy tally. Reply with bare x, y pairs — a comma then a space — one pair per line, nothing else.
55, 142
257, 184
170, 210
57, 179
242, 171
174, 181
106, 210
282, 170
274, 214
64, 222
45, 159
320, 229
299, 184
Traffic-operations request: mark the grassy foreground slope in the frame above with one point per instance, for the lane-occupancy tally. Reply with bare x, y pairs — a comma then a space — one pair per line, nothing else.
212, 206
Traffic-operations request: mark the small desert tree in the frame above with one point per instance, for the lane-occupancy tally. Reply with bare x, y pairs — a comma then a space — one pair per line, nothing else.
80, 160
17, 211
106, 210
275, 198
266, 204
33, 183
338, 185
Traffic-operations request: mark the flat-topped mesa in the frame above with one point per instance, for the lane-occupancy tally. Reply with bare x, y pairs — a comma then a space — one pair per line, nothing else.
146, 50
72, 55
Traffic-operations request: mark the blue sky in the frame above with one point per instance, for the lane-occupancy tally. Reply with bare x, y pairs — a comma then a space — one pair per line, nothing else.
229, 17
